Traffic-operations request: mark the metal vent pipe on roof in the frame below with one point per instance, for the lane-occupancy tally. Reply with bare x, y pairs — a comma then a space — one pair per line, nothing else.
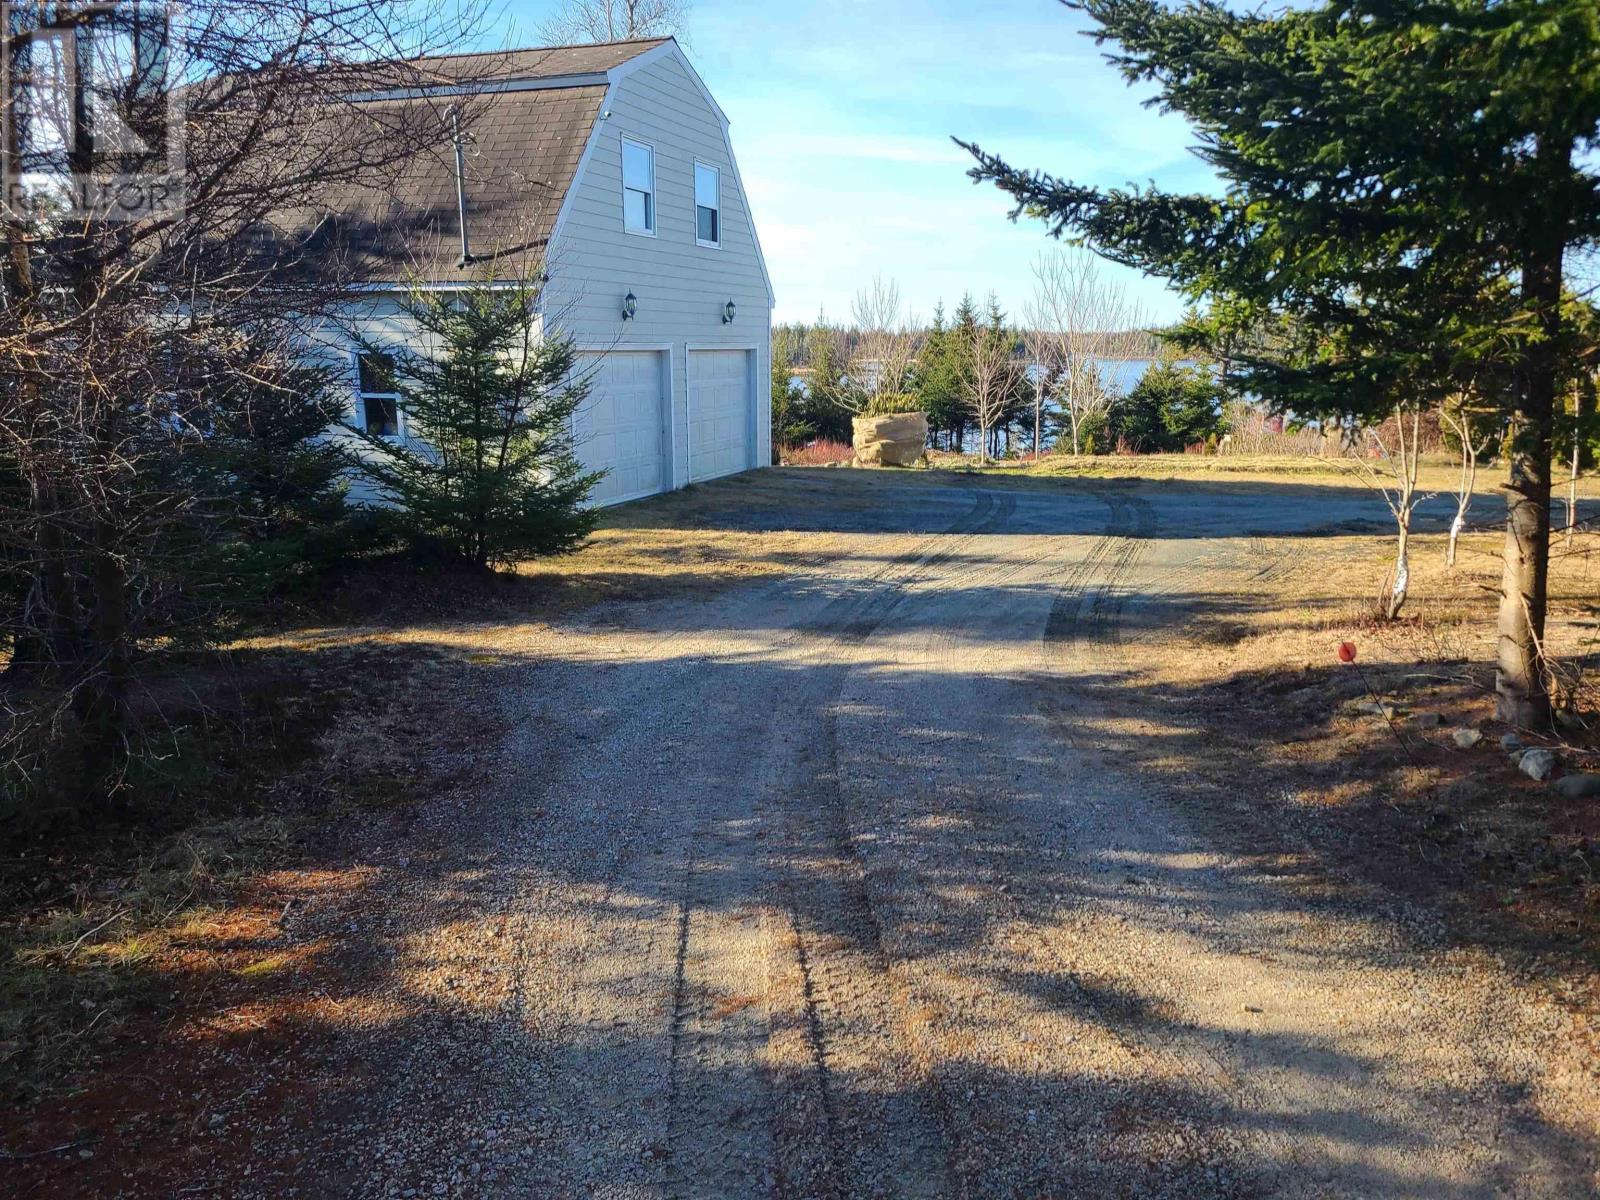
461, 187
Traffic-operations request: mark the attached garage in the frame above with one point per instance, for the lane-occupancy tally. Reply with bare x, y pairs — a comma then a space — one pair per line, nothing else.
622, 428
722, 405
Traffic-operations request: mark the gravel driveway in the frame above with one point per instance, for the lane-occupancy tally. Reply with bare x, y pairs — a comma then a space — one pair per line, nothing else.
826, 887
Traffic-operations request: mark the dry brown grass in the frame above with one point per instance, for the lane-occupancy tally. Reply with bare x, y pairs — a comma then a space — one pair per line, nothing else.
1436, 474
1251, 719
817, 454
106, 921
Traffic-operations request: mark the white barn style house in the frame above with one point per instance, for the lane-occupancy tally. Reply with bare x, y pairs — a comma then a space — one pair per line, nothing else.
607, 168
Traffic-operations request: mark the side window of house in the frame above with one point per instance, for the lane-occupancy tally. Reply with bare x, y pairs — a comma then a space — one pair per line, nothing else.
707, 205
380, 399
638, 187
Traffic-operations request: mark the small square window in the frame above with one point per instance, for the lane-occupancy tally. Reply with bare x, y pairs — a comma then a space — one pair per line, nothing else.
377, 373
638, 211
383, 415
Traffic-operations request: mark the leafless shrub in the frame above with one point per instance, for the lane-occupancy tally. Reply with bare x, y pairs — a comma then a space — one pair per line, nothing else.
1252, 430
120, 328
884, 347
1078, 320
1397, 484
817, 454
1472, 429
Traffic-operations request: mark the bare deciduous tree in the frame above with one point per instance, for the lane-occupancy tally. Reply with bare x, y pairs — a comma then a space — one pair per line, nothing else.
993, 372
1472, 432
884, 347
1399, 491
129, 272
1585, 385
1078, 320
616, 21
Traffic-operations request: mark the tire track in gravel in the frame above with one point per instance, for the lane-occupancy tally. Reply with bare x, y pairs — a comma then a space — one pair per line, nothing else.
692, 931
778, 589
1282, 561
895, 1138
967, 601
831, 980
894, 1009
1091, 606
1093, 596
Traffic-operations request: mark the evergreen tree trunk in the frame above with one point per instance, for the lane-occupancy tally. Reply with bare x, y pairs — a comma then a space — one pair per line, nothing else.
1522, 697
103, 701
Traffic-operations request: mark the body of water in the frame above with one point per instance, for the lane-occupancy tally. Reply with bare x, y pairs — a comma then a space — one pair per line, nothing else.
1118, 375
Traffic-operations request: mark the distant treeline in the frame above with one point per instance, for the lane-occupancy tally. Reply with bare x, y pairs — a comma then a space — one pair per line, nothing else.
801, 337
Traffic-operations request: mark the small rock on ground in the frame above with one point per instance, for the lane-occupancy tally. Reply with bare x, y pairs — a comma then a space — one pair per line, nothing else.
1578, 787
1537, 764
1466, 738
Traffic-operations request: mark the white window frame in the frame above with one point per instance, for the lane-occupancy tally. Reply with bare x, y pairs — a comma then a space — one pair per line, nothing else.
652, 207
717, 171
399, 434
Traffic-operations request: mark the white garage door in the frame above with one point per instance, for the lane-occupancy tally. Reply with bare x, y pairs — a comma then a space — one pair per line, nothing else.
720, 399
620, 428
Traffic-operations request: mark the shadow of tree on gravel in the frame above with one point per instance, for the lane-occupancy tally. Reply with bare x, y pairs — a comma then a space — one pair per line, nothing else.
367, 1026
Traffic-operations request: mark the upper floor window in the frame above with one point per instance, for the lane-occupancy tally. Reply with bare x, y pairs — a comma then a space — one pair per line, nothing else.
638, 187
707, 205
380, 395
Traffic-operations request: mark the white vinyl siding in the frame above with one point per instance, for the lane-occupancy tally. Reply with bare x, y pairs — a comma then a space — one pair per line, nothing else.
707, 205
638, 187
681, 287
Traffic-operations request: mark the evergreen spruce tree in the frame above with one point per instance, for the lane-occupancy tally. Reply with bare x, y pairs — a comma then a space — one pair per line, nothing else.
943, 374
277, 484
486, 472
789, 427
1171, 407
823, 409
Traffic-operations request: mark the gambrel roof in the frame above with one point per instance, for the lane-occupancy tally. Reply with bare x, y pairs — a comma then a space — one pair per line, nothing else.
526, 118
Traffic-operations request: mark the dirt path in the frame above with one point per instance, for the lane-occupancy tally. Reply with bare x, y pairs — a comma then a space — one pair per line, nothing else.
832, 887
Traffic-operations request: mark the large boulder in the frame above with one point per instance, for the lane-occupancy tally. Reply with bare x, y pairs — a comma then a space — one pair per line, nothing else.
896, 440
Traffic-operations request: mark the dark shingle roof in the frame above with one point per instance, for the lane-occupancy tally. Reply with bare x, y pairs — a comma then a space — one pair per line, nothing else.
551, 62
522, 151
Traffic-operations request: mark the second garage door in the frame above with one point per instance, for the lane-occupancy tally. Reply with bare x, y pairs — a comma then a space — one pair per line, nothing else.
720, 401
621, 428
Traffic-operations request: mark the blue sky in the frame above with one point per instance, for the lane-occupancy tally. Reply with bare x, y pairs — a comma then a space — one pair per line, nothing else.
841, 117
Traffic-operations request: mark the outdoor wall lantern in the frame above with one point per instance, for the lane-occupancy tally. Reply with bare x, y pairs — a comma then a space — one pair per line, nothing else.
630, 305
729, 311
